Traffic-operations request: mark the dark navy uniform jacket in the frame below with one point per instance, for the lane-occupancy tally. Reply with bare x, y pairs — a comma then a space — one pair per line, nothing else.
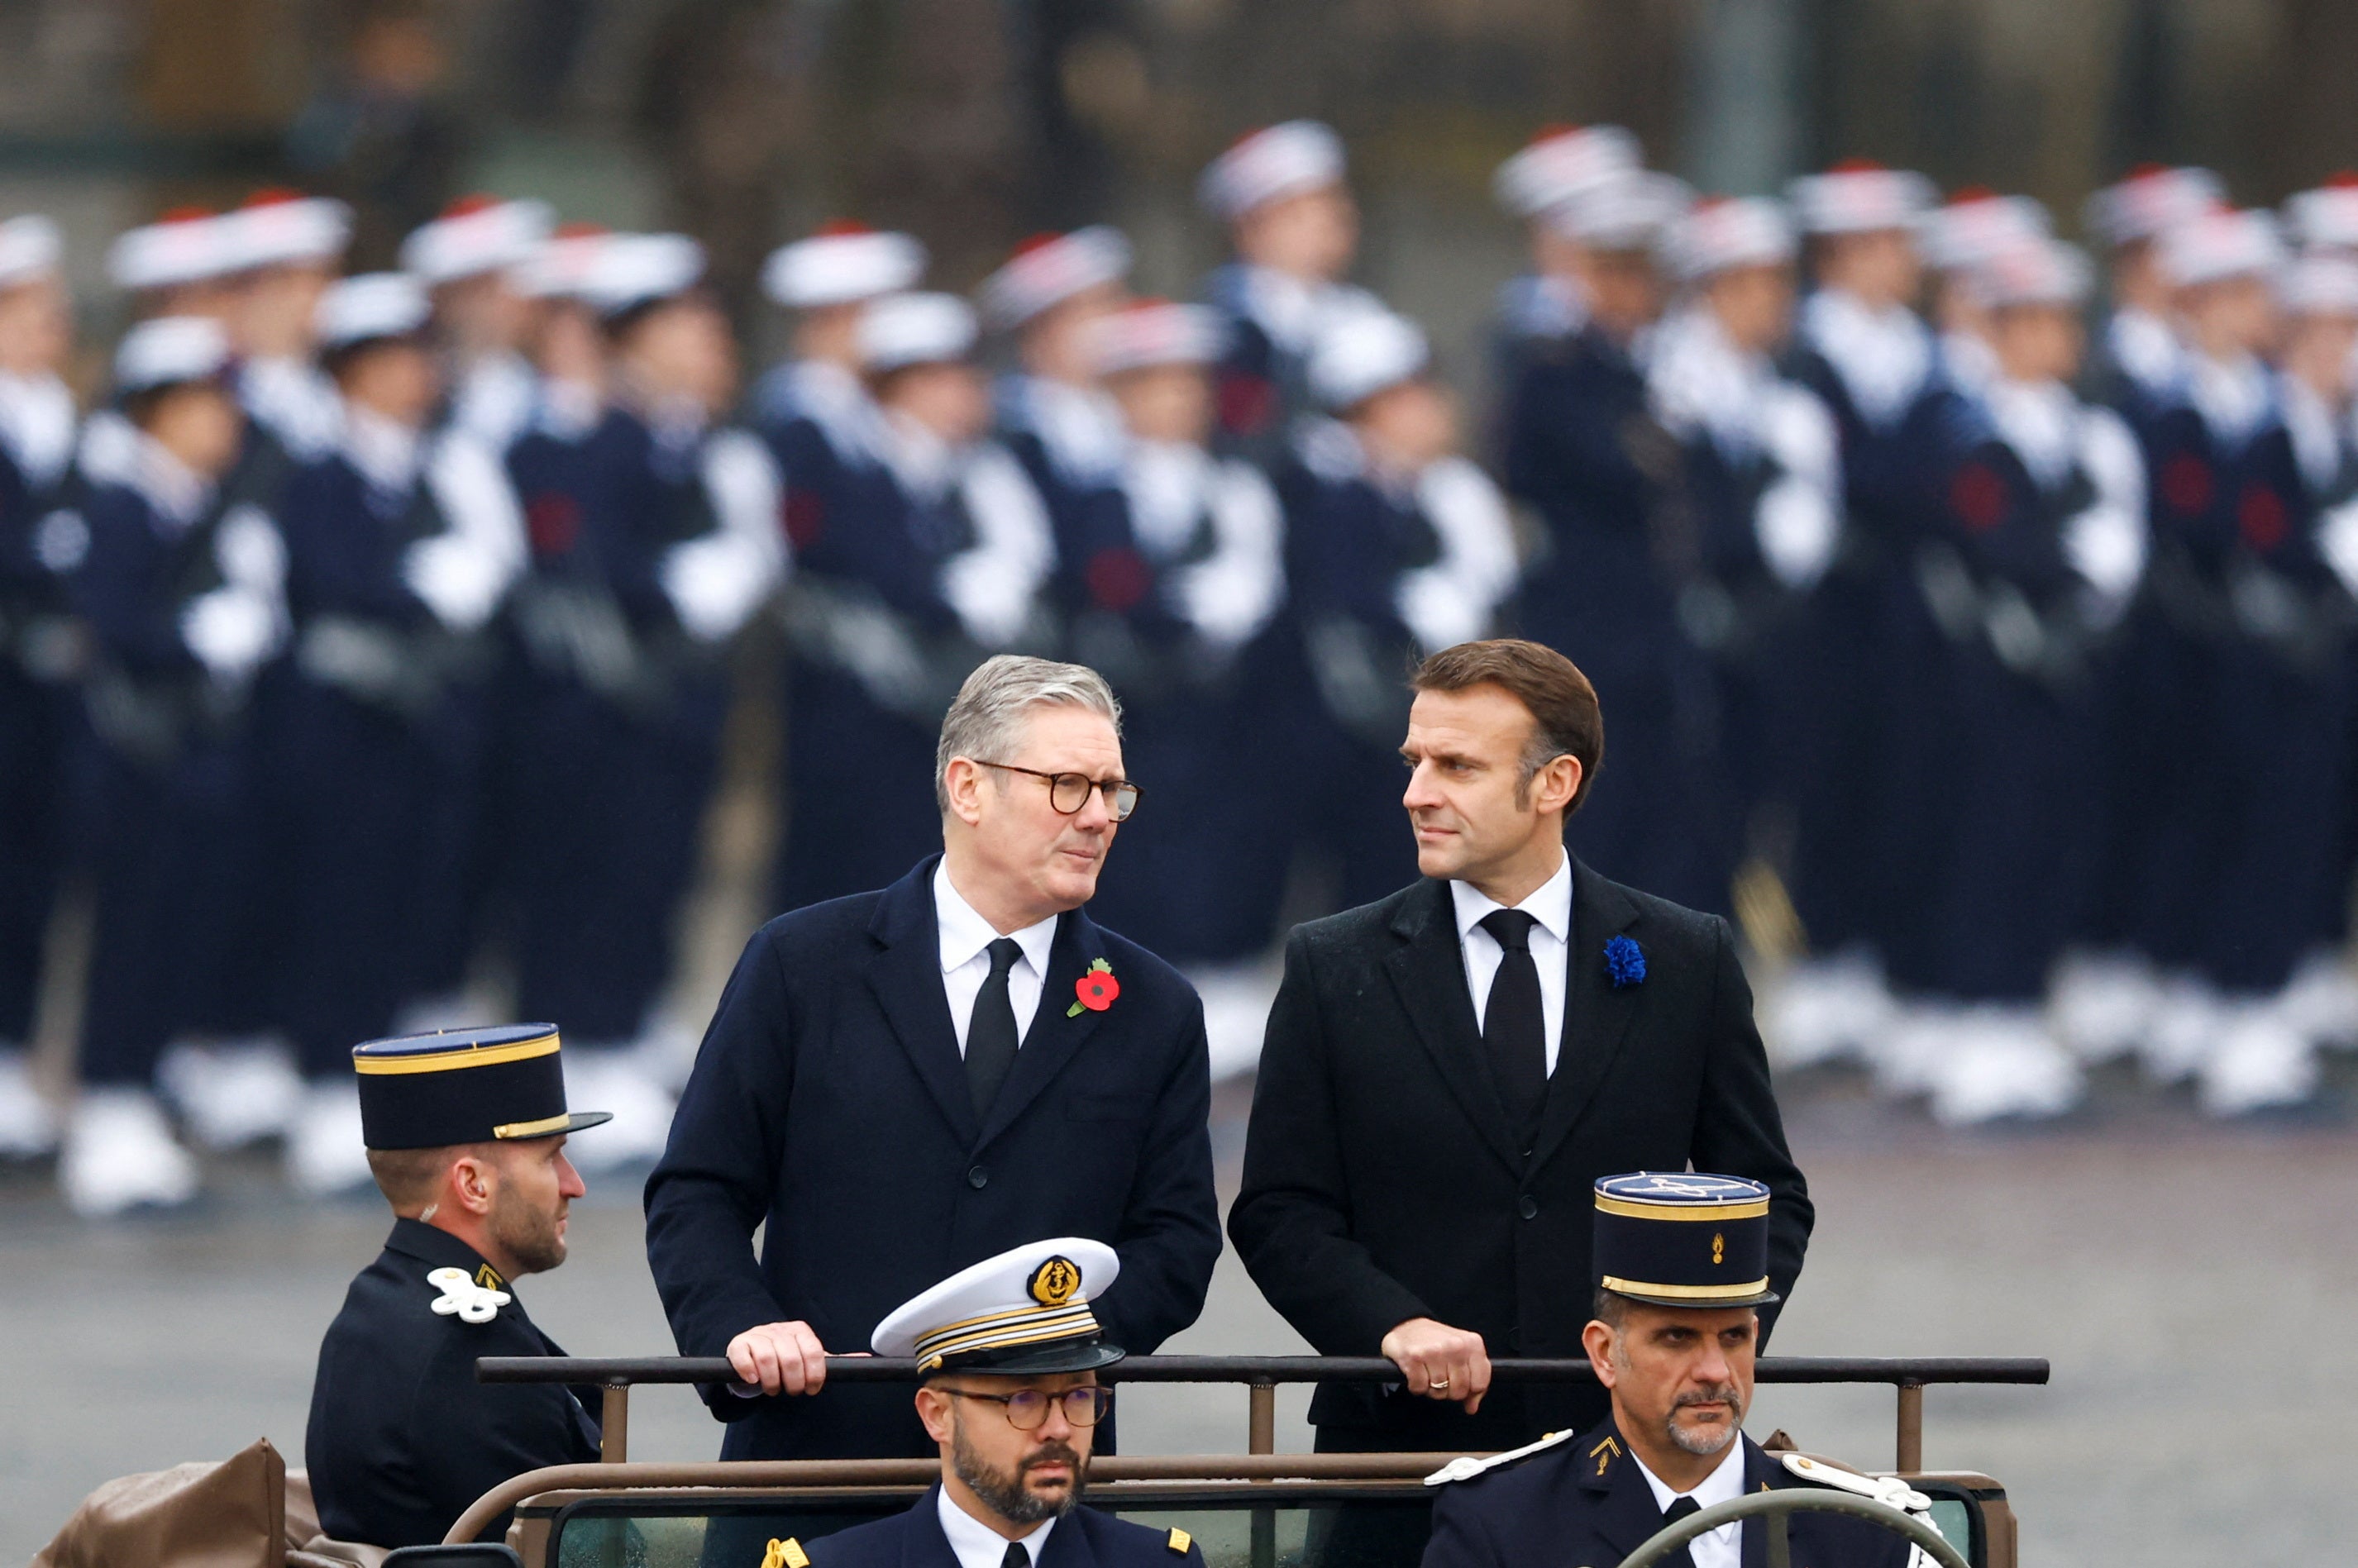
1083, 1537
1585, 1504
402, 1438
830, 1102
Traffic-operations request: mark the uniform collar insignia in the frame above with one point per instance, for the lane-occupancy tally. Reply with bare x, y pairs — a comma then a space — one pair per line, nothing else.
463, 1298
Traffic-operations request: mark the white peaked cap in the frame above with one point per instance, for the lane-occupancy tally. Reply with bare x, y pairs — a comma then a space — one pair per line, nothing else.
630, 270
1028, 1303
1156, 333
842, 265
189, 245
2036, 269
561, 266
1050, 269
373, 305
1627, 211
1559, 164
1274, 161
1362, 352
2219, 245
2151, 200
283, 228
30, 247
1973, 226
1856, 197
2326, 217
168, 351
475, 235
904, 330
1718, 235
2319, 284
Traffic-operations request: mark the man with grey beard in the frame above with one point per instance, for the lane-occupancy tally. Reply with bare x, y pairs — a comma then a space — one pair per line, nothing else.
1681, 1262
1014, 1402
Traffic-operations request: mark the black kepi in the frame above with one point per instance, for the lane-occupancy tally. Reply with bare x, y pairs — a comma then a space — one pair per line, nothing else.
1684, 1239
465, 1086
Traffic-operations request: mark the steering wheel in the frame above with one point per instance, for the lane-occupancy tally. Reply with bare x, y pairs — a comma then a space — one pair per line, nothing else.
1774, 1505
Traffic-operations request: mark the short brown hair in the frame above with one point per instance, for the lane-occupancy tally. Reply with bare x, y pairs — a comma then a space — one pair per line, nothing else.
1566, 719
412, 1178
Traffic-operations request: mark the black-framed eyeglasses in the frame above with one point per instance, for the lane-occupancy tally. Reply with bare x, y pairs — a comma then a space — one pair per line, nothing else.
1028, 1408
1070, 791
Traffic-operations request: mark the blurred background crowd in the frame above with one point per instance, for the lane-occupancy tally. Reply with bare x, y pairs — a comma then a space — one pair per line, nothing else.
497, 496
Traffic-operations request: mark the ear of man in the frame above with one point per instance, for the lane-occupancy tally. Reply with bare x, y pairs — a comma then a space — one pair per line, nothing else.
935, 1408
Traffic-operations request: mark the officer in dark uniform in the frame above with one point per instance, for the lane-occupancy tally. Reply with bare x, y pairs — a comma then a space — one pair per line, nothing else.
466, 1136
1014, 1400
1681, 1261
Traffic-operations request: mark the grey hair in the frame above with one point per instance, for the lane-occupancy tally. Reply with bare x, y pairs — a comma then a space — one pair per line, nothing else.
986, 721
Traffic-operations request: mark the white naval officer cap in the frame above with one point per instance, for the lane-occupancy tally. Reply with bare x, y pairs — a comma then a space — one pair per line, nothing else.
1975, 224
1560, 162
2149, 200
473, 235
1155, 332
30, 247
285, 228
904, 330
560, 267
1275, 161
1858, 196
1362, 352
368, 307
628, 271
843, 263
1048, 269
2036, 269
2318, 283
187, 244
2325, 218
169, 350
1632, 211
1023, 1312
1724, 233
2218, 244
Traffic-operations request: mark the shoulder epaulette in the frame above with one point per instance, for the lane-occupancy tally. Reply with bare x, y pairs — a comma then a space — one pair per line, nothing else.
1467, 1468
1179, 1541
1888, 1490
786, 1554
465, 1298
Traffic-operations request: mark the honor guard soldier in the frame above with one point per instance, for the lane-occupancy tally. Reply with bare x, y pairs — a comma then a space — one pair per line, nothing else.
934, 559
1012, 1355
183, 264
466, 1135
183, 605
675, 517
1051, 411
2138, 358
1173, 589
41, 651
1682, 1264
1295, 230
1960, 237
401, 543
1396, 547
288, 248
468, 258
1549, 302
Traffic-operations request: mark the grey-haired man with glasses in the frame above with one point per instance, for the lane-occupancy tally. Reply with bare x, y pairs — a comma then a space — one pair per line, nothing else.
899, 1083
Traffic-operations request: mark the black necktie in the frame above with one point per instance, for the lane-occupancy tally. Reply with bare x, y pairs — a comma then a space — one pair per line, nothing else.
991, 1033
1018, 1556
1680, 1508
1514, 1026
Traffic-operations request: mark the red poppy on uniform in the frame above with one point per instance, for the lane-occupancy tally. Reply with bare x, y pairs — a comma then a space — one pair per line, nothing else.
1094, 989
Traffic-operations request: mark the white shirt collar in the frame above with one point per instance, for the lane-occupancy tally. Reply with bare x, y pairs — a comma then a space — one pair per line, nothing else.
1550, 903
975, 1544
1725, 1484
384, 453
964, 933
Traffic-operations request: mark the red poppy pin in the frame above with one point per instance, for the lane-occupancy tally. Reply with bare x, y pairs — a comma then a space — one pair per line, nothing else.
1095, 990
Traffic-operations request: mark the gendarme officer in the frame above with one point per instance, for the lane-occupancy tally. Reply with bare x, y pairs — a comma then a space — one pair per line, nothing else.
466, 1137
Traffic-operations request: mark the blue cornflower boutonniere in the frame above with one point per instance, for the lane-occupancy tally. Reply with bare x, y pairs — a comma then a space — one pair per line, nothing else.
1625, 963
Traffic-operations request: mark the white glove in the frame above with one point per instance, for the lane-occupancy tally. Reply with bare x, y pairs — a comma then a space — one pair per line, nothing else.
460, 583
230, 631
715, 583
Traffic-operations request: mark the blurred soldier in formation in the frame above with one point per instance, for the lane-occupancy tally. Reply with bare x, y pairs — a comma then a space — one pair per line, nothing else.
40, 648
1960, 237
180, 264
183, 603
1173, 589
400, 543
927, 561
469, 257
2138, 356
1049, 298
1295, 231
1396, 547
1550, 303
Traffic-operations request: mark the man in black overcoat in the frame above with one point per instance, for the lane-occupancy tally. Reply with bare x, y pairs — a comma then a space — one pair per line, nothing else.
899, 1083
1446, 1072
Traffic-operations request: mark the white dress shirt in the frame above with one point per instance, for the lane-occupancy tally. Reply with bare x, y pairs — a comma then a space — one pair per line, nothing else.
1551, 907
1724, 1546
965, 939
979, 1546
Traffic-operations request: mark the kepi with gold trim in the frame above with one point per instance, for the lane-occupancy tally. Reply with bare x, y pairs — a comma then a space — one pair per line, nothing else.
471, 1085
1684, 1239
1023, 1313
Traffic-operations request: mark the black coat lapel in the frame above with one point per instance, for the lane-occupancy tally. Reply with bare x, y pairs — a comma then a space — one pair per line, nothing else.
923, 1544
1428, 971
1626, 1514
1761, 1473
1069, 1545
1597, 1013
1055, 1034
906, 975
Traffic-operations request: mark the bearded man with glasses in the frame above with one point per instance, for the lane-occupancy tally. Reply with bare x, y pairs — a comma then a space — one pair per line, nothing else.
899, 1083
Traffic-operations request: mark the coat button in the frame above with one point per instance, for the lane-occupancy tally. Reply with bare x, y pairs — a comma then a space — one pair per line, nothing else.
980, 1178
1527, 1206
